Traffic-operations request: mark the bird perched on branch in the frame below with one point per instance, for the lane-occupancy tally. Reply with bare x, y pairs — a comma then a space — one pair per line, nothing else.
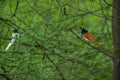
15, 35
88, 36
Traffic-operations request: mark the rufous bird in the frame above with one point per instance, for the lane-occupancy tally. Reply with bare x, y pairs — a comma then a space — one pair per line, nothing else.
88, 36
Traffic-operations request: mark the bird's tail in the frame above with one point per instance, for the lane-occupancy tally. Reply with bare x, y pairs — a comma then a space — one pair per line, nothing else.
9, 45
98, 44
101, 46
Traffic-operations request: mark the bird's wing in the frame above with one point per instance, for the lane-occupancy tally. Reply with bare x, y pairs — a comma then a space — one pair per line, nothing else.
89, 36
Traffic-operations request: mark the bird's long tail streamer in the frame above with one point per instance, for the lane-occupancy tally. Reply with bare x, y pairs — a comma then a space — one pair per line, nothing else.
101, 46
98, 44
9, 45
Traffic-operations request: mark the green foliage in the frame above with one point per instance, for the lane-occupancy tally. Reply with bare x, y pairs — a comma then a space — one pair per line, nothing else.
47, 50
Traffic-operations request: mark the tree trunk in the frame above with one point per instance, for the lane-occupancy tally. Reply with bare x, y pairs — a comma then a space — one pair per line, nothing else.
116, 39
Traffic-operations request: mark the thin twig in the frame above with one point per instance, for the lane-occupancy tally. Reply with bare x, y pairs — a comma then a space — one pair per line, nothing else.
17, 4
63, 78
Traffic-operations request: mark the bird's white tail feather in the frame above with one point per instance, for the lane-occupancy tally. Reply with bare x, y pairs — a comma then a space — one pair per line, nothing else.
8, 46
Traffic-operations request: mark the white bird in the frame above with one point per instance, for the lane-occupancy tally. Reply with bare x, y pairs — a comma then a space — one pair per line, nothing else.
15, 35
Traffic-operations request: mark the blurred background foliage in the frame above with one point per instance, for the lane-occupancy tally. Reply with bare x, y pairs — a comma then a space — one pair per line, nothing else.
47, 50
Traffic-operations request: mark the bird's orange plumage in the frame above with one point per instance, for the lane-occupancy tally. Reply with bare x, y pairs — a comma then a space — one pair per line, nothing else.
90, 38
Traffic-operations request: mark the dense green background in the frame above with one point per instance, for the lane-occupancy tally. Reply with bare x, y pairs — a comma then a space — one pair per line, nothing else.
47, 50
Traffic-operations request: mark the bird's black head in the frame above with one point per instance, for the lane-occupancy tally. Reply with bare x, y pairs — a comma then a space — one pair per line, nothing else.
83, 30
15, 30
